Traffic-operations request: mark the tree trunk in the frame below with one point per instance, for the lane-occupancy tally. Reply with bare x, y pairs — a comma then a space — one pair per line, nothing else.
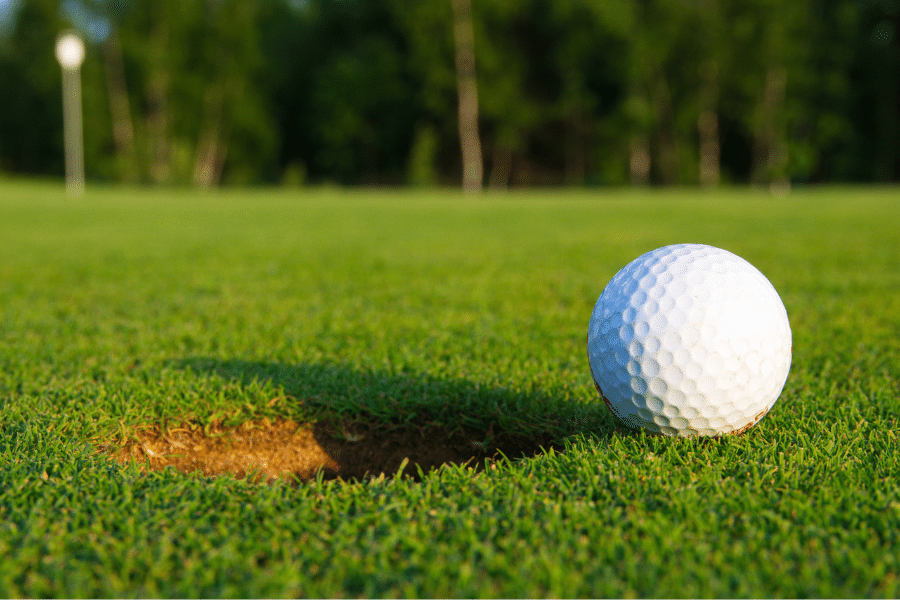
885, 143
467, 91
158, 107
770, 156
207, 162
639, 164
501, 168
708, 130
639, 110
576, 160
119, 108
667, 136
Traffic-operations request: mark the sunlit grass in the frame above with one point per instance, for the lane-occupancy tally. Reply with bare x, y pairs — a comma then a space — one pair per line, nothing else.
131, 307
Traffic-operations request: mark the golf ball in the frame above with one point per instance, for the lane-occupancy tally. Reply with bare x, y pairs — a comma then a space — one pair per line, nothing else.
689, 340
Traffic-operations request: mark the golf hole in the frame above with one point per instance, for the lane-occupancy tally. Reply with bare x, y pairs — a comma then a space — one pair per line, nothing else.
266, 450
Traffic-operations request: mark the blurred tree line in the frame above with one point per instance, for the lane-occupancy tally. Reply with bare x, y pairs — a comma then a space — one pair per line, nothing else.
580, 92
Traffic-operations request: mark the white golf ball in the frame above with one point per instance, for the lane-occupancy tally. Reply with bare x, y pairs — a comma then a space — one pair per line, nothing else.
689, 340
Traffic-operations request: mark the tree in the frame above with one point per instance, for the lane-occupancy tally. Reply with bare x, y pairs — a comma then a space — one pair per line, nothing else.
346, 101
368, 91
467, 89
30, 108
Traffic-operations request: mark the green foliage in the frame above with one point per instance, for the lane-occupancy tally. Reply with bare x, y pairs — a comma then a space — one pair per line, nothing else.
361, 107
30, 107
570, 91
130, 307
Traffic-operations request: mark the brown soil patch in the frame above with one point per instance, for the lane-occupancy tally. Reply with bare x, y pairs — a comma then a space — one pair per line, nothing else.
270, 450
287, 450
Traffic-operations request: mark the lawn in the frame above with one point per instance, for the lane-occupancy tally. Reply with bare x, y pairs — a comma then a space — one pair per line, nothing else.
437, 328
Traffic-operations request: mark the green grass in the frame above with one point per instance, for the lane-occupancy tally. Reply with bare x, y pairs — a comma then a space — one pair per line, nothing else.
132, 307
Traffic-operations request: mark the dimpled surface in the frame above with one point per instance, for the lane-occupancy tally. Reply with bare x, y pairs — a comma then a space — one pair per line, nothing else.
689, 340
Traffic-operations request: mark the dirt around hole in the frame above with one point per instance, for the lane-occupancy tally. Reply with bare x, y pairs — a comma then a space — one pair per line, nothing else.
283, 449
271, 450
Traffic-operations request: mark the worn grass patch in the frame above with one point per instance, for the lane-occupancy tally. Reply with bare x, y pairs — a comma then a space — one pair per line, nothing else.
260, 450
267, 450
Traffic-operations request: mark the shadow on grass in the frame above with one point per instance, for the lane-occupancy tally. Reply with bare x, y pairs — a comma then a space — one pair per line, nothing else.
369, 423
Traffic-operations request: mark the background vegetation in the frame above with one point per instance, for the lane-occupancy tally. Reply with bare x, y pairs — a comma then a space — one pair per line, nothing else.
364, 91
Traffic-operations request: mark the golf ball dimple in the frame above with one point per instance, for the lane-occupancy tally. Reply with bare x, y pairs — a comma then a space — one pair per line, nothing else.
689, 340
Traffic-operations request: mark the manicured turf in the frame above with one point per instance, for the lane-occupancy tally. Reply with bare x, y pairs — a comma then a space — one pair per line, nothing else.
128, 308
